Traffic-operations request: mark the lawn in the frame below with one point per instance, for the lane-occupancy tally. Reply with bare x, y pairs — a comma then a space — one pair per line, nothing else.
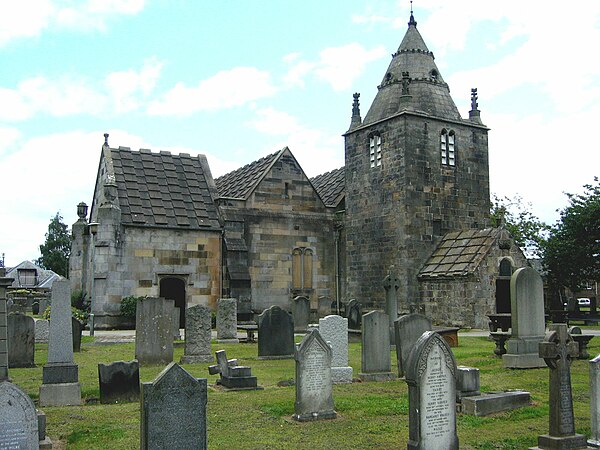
371, 415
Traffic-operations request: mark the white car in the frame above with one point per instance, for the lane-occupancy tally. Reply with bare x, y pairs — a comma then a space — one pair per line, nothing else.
584, 302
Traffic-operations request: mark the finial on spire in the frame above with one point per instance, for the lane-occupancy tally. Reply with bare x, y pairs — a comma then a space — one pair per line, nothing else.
356, 119
412, 20
474, 97
106, 139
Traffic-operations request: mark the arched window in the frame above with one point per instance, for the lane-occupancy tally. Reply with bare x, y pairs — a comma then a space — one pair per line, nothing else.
375, 150
302, 268
448, 147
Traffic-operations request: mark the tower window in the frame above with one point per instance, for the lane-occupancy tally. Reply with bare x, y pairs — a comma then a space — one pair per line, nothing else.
375, 150
448, 148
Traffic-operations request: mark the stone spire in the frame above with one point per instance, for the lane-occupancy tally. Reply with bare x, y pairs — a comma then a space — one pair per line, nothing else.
356, 119
474, 114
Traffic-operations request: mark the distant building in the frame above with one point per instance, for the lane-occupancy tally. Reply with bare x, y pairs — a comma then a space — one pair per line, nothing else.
28, 275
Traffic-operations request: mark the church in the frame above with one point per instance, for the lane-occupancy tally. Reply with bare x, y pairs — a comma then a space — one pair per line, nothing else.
412, 201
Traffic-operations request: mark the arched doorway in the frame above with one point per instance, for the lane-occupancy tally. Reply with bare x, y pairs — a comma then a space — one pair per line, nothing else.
503, 287
174, 288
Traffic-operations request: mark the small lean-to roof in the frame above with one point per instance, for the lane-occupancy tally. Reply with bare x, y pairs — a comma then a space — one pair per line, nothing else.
460, 253
164, 190
330, 186
240, 183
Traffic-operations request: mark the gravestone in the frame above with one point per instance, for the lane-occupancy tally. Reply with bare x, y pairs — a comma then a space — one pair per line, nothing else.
227, 320
334, 330
18, 419
21, 340
376, 359
467, 382
4, 283
154, 331
301, 313
119, 382
42, 330
173, 410
275, 334
527, 319
391, 284
430, 375
314, 387
60, 375
197, 335
594, 440
408, 329
558, 350
232, 376
354, 314
176, 318
324, 306
43, 305
77, 327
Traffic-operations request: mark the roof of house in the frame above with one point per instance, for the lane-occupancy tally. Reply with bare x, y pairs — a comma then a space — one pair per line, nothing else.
461, 252
240, 183
44, 277
330, 186
164, 190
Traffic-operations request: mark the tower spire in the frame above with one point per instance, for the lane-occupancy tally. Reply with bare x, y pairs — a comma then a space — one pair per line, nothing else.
412, 20
356, 119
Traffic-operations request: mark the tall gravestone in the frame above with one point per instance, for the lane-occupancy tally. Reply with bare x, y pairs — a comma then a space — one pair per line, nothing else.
334, 330
527, 319
18, 419
408, 329
227, 320
4, 283
354, 314
197, 335
301, 313
430, 375
391, 284
376, 359
60, 374
154, 331
173, 411
42, 330
119, 382
314, 387
275, 334
594, 440
21, 340
558, 350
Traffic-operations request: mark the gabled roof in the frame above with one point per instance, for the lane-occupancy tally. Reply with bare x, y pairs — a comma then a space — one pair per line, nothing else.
330, 186
164, 190
240, 183
44, 277
461, 252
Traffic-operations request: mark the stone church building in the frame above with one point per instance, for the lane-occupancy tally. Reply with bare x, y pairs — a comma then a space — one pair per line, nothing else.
413, 195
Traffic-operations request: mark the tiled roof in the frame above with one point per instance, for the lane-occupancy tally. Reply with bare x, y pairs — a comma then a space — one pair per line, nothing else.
330, 186
460, 253
241, 182
164, 190
44, 277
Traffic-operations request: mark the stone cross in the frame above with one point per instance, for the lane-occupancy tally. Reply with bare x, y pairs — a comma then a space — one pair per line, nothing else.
223, 365
391, 284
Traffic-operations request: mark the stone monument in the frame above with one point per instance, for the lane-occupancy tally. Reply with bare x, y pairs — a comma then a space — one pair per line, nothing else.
354, 314
119, 382
21, 340
173, 410
154, 331
376, 358
197, 335
60, 375
334, 330
227, 321
314, 387
594, 440
391, 284
42, 330
18, 419
431, 375
4, 283
232, 376
301, 313
275, 334
408, 329
527, 318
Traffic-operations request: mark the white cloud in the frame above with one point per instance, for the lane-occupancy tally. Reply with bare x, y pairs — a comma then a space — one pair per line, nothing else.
226, 89
125, 87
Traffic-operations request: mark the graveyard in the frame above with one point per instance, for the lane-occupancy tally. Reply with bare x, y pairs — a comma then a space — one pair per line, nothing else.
369, 414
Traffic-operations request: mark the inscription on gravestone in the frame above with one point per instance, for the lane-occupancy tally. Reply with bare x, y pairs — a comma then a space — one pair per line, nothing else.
18, 419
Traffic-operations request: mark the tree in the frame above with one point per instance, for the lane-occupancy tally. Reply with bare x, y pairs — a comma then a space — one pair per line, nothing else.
572, 253
55, 251
528, 231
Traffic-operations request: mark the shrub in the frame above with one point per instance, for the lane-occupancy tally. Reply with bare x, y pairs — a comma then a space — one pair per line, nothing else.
129, 306
79, 314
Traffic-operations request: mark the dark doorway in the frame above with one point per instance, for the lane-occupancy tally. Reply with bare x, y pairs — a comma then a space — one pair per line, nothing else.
174, 289
503, 287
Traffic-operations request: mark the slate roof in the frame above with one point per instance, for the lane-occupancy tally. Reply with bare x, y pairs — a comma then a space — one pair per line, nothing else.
240, 183
164, 190
45, 277
330, 186
460, 253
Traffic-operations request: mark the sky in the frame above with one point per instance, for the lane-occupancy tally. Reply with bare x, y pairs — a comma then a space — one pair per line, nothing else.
237, 80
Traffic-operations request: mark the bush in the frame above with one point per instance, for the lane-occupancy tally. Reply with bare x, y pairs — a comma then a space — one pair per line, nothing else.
129, 306
78, 299
79, 314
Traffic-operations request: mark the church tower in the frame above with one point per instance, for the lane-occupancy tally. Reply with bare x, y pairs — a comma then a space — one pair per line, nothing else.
415, 170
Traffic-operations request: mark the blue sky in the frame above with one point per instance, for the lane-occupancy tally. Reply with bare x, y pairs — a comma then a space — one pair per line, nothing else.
237, 80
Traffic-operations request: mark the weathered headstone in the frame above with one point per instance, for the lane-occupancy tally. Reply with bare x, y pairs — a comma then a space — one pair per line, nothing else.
430, 375
314, 387
334, 330
527, 318
21, 340
301, 313
176, 318
467, 382
60, 375
119, 382
354, 314
173, 411
275, 334
154, 331
227, 320
408, 329
18, 419
391, 284
77, 329
4, 283
594, 440
232, 376
197, 335
376, 359
324, 306
558, 350
42, 331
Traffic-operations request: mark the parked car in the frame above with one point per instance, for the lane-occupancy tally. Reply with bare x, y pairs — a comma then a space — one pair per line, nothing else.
584, 302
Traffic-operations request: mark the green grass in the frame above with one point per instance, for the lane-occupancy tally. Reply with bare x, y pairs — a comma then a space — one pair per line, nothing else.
371, 415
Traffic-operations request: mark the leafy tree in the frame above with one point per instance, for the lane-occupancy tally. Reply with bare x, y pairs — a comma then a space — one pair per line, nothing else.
528, 231
572, 253
55, 251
